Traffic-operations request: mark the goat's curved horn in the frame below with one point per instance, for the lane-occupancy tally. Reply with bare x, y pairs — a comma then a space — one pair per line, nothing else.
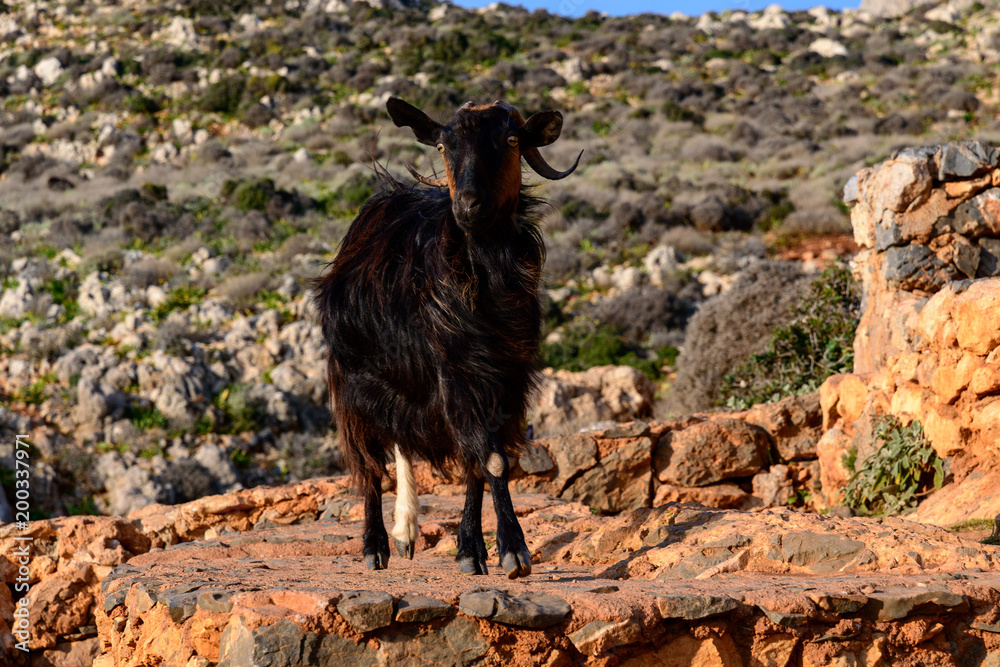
433, 182
531, 154
542, 168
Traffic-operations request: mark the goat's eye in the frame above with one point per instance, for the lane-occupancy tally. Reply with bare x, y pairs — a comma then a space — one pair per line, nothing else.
512, 140
440, 148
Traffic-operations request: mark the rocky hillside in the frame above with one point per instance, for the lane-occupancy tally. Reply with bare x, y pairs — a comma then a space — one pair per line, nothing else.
627, 569
174, 174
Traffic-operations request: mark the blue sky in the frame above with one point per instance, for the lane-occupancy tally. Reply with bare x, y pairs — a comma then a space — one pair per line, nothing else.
623, 7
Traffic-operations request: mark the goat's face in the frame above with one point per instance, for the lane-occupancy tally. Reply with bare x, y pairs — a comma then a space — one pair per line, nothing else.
482, 148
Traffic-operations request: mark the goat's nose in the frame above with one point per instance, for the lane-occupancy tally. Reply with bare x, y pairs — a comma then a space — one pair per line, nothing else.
469, 203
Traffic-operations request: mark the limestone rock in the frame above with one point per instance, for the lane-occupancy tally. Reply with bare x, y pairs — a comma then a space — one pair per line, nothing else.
526, 611
620, 480
609, 470
828, 48
568, 401
714, 495
795, 424
366, 610
711, 452
421, 608
694, 607
966, 159
774, 487
599, 636
926, 344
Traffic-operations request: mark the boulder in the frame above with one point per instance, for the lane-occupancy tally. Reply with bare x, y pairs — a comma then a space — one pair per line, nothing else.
711, 452
608, 470
567, 402
795, 424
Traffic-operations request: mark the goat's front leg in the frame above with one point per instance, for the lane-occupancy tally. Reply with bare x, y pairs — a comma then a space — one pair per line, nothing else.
471, 547
376, 540
514, 556
406, 531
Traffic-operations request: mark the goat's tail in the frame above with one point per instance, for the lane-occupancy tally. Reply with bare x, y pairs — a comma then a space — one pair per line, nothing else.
366, 457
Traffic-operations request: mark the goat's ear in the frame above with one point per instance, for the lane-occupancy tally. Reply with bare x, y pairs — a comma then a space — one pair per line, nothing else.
542, 128
404, 114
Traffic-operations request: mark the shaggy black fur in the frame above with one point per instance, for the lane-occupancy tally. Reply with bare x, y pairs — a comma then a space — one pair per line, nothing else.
433, 345
432, 319
432, 330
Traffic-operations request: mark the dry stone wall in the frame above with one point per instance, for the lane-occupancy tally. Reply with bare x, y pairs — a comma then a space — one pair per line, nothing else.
928, 222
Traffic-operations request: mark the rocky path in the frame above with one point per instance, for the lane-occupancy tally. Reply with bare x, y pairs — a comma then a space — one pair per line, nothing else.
274, 576
300, 595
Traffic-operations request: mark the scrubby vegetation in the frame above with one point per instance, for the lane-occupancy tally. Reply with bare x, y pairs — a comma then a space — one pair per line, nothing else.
817, 343
173, 175
902, 468
727, 330
582, 347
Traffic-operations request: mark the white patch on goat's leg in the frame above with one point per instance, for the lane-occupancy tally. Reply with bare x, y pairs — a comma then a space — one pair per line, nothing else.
405, 532
494, 465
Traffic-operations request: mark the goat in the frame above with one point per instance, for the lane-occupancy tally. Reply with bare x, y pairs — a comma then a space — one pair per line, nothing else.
430, 311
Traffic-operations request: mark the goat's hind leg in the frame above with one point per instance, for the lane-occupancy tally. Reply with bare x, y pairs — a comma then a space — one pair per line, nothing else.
515, 559
471, 546
406, 531
375, 540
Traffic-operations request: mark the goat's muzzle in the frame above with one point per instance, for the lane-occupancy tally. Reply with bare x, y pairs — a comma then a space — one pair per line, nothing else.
469, 207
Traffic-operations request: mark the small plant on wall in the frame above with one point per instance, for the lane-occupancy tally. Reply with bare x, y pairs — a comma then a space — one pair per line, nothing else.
900, 471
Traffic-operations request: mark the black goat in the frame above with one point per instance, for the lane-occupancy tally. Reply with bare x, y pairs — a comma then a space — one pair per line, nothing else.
431, 315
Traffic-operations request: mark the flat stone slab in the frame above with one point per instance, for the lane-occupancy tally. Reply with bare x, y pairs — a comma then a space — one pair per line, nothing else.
275, 576
603, 590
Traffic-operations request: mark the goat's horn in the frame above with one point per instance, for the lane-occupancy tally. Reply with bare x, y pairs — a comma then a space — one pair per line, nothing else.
542, 168
433, 182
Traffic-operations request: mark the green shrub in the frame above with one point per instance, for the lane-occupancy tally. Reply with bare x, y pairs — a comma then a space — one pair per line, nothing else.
349, 197
146, 418
818, 343
63, 294
240, 413
971, 524
85, 507
140, 104
994, 537
178, 298
729, 328
36, 392
586, 346
223, 96
356, 192
249, 195
679, 114
892, 479
241, 458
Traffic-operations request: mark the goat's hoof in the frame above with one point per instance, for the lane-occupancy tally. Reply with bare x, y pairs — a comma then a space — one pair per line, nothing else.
472, 565
377, 561
404, 548
516, 563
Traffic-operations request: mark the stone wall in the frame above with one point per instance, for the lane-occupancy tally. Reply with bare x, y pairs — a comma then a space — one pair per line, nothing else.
928, 220
762, 457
